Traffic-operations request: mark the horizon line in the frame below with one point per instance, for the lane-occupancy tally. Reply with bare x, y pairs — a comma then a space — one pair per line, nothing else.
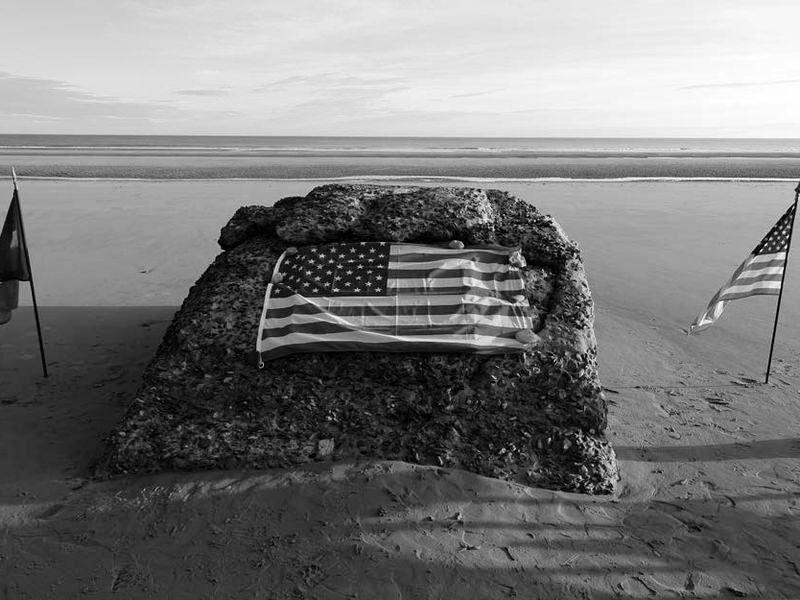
486, 137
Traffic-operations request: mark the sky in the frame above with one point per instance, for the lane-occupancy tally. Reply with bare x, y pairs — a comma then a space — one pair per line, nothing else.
499, 68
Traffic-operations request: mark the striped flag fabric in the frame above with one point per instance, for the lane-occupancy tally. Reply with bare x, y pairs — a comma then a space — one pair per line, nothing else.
391, 297
761, 272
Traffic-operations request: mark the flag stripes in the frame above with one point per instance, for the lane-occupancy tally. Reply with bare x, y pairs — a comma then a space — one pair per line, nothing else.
408, 270
414, 285
335, 297
761, 273
416, 253
396, 321
323, 305
325, 326
379, 342
385, 303
756, 276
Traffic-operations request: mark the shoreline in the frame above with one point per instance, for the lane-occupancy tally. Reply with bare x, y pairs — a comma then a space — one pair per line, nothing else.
341, 168
420, 178
223, 152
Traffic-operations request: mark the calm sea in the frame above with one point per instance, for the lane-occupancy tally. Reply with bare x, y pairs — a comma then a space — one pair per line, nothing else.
387, 158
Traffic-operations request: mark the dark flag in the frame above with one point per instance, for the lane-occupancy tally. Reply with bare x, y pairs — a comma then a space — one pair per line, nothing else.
13, 263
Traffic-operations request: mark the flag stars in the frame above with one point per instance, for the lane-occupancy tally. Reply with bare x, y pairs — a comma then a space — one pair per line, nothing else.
339, 269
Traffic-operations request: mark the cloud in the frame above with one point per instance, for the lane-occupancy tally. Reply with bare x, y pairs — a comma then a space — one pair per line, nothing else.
59, 100
396, 66
331, 96
25, 101
473, 94
739, 84
331, 82
206, 92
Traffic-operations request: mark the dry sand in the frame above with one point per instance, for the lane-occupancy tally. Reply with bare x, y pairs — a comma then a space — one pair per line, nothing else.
707, 507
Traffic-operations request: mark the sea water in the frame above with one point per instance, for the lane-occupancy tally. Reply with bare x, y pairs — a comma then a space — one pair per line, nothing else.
397, 158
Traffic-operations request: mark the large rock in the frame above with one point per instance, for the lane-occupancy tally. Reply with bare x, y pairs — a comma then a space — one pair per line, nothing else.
537, 417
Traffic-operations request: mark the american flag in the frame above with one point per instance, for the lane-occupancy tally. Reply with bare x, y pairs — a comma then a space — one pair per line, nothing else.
760, 273
391, 297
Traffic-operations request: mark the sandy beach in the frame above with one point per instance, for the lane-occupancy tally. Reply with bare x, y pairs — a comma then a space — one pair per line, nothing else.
707, 507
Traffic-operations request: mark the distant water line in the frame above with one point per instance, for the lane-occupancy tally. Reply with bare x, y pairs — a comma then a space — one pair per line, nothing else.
386, 159
424, 179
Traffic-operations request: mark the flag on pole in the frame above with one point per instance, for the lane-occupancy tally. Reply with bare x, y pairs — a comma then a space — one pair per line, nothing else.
761, 272
13, 263
391, 297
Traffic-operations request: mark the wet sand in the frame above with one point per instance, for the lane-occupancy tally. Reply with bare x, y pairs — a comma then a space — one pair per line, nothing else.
447, 168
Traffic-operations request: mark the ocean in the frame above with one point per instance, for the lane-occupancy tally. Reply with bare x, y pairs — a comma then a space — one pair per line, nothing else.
395, 158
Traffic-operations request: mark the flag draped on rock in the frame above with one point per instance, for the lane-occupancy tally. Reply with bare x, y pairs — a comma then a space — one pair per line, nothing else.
394, 298
13, 265
760, 273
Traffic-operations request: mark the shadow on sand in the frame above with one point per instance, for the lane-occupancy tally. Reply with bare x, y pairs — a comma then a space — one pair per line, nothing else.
785, 448
387, 530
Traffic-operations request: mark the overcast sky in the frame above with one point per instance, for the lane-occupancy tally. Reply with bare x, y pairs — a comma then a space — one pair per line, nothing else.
701, 68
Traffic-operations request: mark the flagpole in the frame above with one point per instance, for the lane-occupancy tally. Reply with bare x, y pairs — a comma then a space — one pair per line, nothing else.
30, 272
783, 277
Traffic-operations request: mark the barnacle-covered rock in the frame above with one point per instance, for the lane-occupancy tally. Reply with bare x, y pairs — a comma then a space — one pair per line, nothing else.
537, 417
